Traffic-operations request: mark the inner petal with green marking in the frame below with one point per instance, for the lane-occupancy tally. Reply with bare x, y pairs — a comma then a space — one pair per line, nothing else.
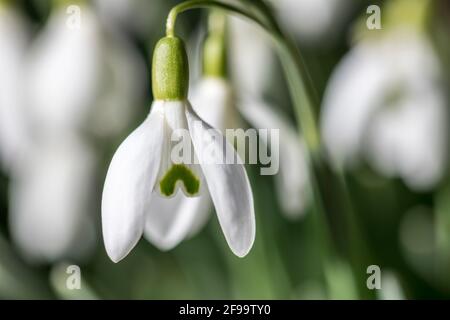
179, 172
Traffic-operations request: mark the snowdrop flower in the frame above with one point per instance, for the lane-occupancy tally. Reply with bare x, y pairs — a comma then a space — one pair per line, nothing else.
50, 190
49, 202
14, 137
80, 76
312, 20
143, 182
250, 50
250, 57
384, 100
63, 71
292, 180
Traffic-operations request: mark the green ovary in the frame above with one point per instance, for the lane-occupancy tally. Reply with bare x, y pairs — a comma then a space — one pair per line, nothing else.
179, 172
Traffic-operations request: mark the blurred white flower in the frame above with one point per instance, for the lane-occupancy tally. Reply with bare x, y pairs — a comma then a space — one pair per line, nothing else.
313, 21
251, 58
385, 100
64, 71
292, 182
50, 202
214, 101
78, 79
142, 172
391, 288
83, 77
14, 137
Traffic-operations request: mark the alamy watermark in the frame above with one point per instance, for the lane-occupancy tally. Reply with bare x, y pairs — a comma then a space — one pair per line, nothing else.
373, 22
73, 20
73, 281
238, 146
374, 280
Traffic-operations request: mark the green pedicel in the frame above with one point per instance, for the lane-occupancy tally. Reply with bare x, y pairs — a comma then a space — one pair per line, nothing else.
170, 71
215, 56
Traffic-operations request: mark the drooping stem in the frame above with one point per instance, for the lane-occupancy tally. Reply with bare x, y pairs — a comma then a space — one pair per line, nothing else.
196, 4
302, 97
300, 92
215, 57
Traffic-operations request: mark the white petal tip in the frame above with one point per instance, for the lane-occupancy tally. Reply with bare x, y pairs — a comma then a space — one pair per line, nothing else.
119, 249
161, 244
116, 255
114, 259
241, 253
242, 249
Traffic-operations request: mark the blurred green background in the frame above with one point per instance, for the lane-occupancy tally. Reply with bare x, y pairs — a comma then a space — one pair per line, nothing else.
370, 219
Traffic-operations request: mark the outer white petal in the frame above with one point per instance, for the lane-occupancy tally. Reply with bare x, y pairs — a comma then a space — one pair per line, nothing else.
228, 185
313, 20
408, 140
14, 139
171, 220
251, 56
406, 134
351, 97
402, 61
64, 71
50, 200
129, 184
293, 179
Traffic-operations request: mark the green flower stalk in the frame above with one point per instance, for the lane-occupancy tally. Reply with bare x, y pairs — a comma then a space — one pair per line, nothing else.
293, 66
214, 49
303, 97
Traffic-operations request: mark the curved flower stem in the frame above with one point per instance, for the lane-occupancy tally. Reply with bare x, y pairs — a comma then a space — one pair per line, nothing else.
198, 4
302, 95
288, 52
305, 104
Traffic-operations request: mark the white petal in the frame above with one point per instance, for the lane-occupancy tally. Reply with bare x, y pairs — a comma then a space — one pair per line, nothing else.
251, 56
64, 71
129, 184
228, 185
212, 99
50, 200
361, 85
14, 138
293, 179
352, 95
314, 21
203, 214
170, 220
409, 140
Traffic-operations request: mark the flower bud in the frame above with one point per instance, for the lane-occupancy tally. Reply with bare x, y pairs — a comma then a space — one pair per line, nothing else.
215, 56
170, 71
